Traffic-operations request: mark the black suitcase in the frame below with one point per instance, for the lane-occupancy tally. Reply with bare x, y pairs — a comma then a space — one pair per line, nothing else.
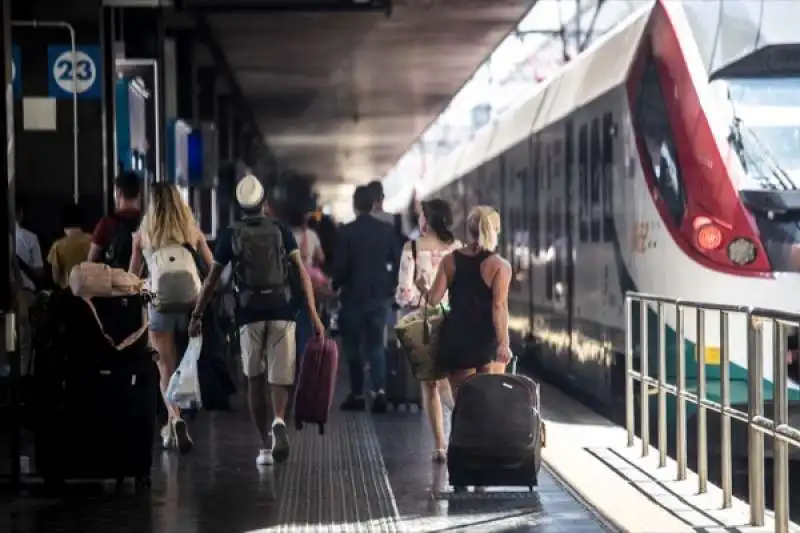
95, 413
496, 435
402, 388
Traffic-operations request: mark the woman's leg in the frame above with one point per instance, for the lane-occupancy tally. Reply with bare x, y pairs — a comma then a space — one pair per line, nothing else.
458, 377
164, 344
433, 407
162, 338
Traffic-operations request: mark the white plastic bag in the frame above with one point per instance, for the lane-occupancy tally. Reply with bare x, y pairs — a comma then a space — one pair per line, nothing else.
184, 385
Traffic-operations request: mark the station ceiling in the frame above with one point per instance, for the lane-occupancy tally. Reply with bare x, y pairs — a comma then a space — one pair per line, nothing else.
343, 95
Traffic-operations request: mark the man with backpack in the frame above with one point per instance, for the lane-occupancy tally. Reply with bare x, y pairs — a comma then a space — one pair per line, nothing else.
112, 239
262, 251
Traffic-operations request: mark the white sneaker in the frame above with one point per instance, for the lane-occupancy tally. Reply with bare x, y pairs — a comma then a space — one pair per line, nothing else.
264, 458
167, 437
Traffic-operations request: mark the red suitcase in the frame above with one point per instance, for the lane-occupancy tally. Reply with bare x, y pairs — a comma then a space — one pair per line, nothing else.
316, 382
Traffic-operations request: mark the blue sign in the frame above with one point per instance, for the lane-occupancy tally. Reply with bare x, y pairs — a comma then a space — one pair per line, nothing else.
81, 74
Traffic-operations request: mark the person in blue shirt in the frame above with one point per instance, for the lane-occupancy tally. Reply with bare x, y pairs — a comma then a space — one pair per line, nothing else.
267, 337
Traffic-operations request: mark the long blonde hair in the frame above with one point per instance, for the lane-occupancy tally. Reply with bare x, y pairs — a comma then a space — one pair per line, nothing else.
168, 219
483, 226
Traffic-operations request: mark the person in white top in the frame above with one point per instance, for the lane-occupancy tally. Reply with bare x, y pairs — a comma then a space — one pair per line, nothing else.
29, 252
435, 242
28, 249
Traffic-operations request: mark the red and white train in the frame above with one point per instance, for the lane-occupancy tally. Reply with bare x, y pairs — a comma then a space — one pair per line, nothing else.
665, 159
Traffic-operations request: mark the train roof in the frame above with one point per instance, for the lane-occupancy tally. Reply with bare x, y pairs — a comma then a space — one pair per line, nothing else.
598, 70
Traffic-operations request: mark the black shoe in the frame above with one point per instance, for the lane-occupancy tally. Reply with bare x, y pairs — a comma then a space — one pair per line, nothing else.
354, 403
280, 439
379, 404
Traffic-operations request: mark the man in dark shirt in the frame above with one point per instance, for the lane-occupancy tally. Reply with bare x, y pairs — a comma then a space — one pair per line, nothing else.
127, 191
266, 337
365, 272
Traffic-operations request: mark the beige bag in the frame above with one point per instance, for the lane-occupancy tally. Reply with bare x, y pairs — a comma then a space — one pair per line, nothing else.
90, 280
95, 280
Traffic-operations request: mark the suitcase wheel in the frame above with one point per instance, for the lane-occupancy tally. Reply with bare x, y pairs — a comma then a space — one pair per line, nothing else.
298, 425
322, 429
459, 488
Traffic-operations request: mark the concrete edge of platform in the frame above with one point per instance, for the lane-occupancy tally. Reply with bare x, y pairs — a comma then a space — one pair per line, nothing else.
607, 520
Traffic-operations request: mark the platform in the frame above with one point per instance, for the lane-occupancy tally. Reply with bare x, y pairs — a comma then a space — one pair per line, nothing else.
373, 473
589, 453
367, 473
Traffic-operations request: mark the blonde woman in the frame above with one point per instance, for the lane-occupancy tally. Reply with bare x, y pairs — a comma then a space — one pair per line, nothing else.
167, 222
474, 335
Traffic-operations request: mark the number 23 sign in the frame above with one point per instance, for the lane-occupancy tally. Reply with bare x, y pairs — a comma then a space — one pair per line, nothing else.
81, 74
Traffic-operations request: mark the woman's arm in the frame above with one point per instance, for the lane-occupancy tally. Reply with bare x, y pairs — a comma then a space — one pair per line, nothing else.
407, 293
203, 249
500, 286
443, 276
136, 255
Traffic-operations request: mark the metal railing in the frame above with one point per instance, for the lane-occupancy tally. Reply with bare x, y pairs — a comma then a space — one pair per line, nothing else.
757, 424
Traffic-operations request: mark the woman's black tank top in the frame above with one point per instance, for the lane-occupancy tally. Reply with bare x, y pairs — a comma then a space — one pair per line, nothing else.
468, 337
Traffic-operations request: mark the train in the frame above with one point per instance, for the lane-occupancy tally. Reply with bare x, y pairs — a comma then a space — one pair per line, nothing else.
664, 159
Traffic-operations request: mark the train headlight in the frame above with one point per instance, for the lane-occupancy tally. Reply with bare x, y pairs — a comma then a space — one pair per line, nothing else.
742, 251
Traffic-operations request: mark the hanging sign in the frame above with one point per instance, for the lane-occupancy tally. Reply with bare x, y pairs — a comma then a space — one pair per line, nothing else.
81, 75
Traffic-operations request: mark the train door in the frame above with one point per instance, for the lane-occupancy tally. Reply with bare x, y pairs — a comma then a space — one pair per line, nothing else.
533, 195
569, 230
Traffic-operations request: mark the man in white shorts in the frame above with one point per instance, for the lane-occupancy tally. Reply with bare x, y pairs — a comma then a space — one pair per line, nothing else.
261, 251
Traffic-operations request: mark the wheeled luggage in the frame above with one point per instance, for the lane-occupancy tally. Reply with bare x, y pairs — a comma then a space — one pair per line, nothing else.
402, 388
95, 406
496, 435
316, 382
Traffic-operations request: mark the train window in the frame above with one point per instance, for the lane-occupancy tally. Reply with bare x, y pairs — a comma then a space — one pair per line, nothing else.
583, 183
660, 153
596, 166
608, 177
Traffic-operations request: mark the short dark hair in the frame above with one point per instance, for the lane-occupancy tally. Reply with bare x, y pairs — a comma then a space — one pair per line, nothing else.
129, 185
375, 188
72, 216
363, 199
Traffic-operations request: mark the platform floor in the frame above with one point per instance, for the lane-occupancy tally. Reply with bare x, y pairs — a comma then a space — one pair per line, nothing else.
367, 473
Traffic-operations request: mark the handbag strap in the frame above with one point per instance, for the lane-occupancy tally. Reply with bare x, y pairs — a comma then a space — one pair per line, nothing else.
127, 341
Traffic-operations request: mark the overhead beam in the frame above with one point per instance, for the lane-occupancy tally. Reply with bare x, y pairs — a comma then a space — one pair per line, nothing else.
207, 37
286, 6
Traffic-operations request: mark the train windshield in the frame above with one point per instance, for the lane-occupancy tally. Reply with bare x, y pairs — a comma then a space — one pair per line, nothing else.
764, 132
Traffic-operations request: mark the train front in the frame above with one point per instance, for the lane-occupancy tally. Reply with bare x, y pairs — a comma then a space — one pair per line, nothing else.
727, 182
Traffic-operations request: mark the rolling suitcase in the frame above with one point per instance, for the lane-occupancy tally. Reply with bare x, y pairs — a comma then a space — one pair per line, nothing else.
496, 437
402, 388
95, 407
316, 383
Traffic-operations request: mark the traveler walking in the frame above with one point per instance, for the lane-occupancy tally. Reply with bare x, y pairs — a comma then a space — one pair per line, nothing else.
474, 334
261, 250
365, 272
167, 242
420, 259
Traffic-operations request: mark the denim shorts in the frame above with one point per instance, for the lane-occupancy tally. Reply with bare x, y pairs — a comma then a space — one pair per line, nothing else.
167, 322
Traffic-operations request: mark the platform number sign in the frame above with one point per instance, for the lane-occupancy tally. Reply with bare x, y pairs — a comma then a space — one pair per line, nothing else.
82, 74
16, 70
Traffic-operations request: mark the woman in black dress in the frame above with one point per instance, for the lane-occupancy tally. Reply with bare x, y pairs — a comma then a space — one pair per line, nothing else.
474, 335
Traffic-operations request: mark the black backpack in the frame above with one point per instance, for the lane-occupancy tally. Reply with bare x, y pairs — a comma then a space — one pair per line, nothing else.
120, 248
260, 265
